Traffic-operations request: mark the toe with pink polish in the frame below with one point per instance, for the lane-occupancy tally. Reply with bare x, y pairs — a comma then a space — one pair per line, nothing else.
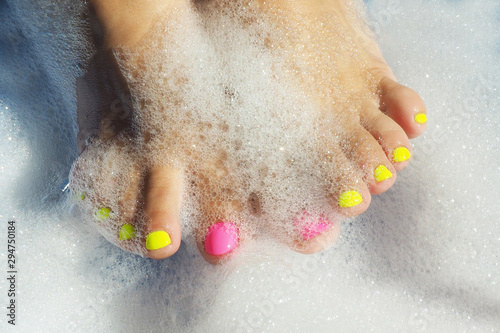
221, 238
310, 226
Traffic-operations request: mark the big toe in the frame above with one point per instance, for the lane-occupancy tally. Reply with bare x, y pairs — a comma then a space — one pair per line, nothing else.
219, 229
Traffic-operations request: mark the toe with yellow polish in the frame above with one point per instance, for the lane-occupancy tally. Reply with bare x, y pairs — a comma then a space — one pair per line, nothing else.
401, 154
350, 199
102, 213
382, 173
127, 232
157, 240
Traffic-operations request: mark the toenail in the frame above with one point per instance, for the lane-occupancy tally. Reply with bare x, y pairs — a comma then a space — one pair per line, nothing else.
350, 199
127, 232
102, 213
401, 154
382, 173
421, 118
221, 238
157, 240
309, 226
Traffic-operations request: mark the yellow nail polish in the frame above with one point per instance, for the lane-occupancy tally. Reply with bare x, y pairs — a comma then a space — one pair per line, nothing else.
400, 154
382, 173
127, 232
157, 240
421, 118
102, 213
350, 199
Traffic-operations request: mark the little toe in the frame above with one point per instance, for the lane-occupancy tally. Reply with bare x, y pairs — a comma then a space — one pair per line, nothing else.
163, 196
391, 137
404, 106
107, 183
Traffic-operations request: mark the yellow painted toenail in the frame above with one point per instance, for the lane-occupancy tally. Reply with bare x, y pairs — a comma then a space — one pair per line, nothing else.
102, 213
382, 173
400, 154
421, 118
157, 240
350, 199
127, 232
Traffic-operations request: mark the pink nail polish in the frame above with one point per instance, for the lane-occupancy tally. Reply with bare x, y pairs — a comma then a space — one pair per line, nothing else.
309, 226
222, 238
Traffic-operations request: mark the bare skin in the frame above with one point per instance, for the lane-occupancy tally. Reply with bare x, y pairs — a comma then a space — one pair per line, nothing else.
375, 116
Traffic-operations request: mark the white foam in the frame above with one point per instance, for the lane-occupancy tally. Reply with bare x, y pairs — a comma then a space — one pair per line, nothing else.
423, 258
220, 104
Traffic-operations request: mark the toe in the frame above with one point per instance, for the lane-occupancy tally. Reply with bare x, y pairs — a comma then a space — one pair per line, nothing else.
353, 199
391, 137
218, 237
163, 196
105, 183
363, 149
349, 194
220, 240
404, 106
315, 232
219, 233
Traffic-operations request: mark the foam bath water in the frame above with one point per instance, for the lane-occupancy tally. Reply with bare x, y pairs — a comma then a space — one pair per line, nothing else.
424, 257
224, 107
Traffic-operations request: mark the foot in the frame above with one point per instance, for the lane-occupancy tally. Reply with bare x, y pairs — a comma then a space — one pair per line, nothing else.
366, 117
130, 177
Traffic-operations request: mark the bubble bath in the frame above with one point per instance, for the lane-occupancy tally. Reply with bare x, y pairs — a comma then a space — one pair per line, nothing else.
422, 258
226, 106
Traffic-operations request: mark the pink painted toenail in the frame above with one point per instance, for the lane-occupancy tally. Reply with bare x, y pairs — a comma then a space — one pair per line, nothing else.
221, 238
310, 226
